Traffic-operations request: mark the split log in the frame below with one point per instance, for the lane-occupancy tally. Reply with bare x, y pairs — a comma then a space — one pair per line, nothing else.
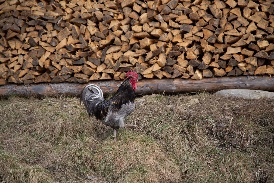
159, 39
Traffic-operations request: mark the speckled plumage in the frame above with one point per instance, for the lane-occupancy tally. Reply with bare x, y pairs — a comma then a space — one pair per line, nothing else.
115, 119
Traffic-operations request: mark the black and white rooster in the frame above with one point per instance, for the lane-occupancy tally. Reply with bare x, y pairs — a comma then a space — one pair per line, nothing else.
112, 111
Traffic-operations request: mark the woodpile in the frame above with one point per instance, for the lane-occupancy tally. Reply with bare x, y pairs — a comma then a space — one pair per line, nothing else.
84, 40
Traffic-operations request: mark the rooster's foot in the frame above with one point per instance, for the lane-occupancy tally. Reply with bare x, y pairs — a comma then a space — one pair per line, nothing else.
131, 126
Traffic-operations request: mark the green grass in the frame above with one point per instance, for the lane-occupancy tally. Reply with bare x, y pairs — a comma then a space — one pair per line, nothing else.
180, 138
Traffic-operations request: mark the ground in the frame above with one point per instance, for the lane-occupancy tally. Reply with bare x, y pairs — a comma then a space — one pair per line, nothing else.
179, 138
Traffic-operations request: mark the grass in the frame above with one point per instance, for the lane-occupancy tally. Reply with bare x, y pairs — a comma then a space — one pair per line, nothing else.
180, 138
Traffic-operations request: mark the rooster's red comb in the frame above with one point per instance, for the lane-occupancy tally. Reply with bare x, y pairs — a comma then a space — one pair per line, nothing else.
132, 74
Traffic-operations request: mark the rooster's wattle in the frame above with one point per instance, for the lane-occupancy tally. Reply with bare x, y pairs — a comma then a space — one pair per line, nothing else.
114, 110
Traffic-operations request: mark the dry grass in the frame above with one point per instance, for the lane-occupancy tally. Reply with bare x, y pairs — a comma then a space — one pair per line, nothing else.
182, 138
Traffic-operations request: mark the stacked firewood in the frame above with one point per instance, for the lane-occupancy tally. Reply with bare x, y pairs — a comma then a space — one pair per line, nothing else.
84, 40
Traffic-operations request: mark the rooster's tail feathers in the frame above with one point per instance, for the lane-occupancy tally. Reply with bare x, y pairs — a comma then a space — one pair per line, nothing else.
91, 92
91, 96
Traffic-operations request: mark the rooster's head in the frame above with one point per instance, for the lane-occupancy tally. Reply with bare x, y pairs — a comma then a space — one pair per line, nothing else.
133, 78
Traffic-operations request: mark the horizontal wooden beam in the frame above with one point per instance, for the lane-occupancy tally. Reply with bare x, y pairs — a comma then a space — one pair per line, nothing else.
145, 87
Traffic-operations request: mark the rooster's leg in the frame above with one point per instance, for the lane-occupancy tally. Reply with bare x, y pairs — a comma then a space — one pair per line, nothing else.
114, 133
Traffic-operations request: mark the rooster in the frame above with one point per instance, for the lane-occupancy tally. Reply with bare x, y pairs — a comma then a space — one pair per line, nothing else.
112, 111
